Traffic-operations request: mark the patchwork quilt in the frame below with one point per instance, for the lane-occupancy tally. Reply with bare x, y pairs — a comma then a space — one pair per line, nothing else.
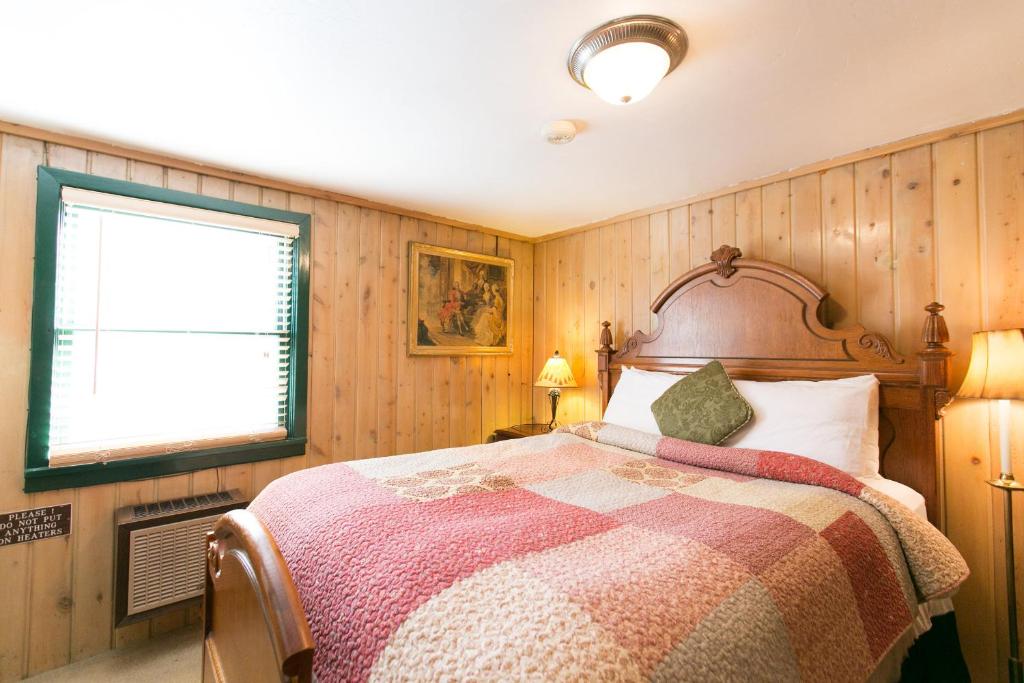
602, 553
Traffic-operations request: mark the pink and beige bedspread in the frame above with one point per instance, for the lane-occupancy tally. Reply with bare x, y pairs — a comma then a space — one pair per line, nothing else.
600, 553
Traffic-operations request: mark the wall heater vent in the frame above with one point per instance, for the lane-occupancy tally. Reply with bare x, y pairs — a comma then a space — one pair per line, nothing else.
161, 553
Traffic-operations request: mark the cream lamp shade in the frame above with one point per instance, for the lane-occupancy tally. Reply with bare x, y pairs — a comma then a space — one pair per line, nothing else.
556, 374
996, 369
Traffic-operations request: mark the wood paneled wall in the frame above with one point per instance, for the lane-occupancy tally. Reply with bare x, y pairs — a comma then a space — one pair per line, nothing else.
367, 397
885, 235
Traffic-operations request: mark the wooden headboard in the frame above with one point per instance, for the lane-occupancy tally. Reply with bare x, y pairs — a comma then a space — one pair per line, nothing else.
763, 322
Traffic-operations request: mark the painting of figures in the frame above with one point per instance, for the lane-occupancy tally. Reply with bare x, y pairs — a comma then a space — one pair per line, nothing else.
458, 302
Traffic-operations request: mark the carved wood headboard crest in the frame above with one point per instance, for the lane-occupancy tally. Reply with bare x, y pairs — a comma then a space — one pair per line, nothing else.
764, 321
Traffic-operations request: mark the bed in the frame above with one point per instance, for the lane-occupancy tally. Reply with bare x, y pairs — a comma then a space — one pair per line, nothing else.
604, 552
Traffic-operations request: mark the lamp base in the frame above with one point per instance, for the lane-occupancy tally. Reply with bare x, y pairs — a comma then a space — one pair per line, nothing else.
1006, 482
554, 395
1009, 486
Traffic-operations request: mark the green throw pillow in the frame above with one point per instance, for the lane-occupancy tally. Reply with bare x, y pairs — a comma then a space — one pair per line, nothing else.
704, 407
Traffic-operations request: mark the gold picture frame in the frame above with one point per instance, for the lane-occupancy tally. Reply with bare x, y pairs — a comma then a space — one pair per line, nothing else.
460, 302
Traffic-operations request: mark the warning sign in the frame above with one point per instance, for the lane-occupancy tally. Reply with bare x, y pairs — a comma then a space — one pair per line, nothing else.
33, 525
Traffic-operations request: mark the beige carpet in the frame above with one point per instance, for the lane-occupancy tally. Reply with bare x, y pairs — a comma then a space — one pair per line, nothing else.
172, 658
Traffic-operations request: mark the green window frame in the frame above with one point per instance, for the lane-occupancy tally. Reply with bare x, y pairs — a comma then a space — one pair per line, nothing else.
39, 476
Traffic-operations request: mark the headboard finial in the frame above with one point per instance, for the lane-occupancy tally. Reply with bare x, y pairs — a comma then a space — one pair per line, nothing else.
723, 258
935, 333
606, 336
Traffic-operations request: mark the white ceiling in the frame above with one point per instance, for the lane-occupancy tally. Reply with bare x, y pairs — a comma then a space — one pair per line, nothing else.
437, 105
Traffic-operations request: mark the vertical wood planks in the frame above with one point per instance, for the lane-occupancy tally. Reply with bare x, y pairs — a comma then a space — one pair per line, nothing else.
50, 589
525, 280
346, 309
748, 223
592, 316
623, 326
387, 322
967, 456
723, 220
554, 328
913, 241
678, 240
18, 160
640, 244
872, 183
806, 227
323, 256
542, 323
700, 233
837, 223
574, 320
34, 603
659, 259
1002, 177
777, 222
366, 334
93, 571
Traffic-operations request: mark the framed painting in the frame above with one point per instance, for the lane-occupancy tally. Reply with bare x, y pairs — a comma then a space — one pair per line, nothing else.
460, 303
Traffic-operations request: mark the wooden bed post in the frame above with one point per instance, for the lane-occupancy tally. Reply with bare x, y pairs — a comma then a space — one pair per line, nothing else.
935, 358
255, 630
604, 355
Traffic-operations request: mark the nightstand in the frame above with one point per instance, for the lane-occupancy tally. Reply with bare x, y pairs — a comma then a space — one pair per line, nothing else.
519, 431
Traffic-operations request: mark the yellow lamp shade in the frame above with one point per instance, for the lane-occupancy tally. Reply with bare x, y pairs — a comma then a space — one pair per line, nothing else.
556, 373
997, 366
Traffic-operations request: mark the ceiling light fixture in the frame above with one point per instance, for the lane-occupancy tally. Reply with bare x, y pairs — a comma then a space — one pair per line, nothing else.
624, 60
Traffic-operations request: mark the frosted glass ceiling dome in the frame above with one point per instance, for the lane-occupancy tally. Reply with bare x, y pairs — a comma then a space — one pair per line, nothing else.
624, 60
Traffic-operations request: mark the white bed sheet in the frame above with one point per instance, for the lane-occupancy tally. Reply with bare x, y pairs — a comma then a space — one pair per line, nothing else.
901, 492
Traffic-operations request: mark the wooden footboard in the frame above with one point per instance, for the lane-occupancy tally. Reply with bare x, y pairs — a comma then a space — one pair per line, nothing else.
255, 629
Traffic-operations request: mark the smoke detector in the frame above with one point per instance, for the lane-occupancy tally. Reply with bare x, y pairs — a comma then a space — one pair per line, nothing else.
559, 132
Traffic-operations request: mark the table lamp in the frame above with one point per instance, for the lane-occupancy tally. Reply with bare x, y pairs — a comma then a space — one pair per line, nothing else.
556, 375
996, 372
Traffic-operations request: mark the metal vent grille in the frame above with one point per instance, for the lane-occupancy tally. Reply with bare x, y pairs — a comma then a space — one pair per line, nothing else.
166, 563
181, 505
161, 553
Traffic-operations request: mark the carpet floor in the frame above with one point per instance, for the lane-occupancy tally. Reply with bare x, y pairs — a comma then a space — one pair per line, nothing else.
176, 657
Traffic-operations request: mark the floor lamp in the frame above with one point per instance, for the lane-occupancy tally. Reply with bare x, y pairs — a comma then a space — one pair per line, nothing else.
996, 372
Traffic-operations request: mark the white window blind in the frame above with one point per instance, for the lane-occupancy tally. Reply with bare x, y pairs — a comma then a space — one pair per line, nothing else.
173, 329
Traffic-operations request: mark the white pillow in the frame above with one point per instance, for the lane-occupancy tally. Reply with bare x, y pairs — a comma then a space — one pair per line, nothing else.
835, 421
636, 390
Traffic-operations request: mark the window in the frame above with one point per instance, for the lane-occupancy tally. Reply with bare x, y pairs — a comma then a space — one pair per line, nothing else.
169, 332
